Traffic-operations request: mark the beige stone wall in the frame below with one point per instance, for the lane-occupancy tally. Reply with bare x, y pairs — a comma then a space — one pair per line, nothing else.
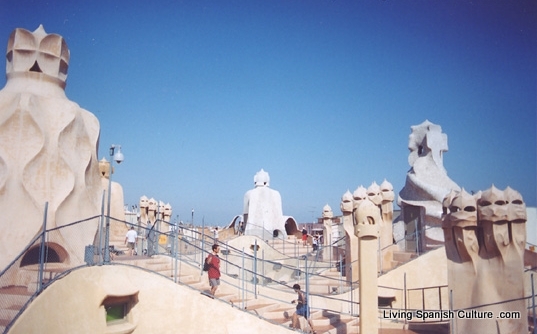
419, 274
47, 151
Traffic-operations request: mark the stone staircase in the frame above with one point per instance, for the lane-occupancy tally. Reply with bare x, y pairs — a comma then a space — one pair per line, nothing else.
273, 311
12, 299
291, 246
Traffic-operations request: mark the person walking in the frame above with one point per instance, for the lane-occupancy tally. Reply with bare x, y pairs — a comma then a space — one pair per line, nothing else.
130, 240
304, 236
214, 268
302, 308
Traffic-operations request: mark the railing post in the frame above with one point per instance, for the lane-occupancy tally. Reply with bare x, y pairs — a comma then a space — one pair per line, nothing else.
352, 291
203, 233
307, 285
380, 257
242, 280
202, 241
254, 274
341, 273
405, 294
330, 251
175, 249
417, 237
42, 250
440, 296
107, 232
533, 304
452, 327
227, 260
423, 299
100, 250
263, 264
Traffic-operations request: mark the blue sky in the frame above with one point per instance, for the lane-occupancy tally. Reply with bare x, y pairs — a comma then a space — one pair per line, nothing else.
320, 93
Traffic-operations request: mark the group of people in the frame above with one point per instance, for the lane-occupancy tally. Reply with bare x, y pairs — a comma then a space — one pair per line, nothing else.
213, 272
131, 240
302, 309
316, 240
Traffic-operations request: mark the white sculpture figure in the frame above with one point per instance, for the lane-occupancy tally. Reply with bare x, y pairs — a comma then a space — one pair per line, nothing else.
373, 194
427, 182
382, 196
461, 245
144, 207
359, 195
47, 151
351, 242
263, 209
388, 196
160, 210
152, 211
166, 216
327, 224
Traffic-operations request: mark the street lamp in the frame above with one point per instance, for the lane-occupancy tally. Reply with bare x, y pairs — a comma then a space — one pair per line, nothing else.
117, 157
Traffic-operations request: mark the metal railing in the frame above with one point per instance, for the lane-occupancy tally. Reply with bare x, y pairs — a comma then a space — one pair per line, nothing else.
57, 251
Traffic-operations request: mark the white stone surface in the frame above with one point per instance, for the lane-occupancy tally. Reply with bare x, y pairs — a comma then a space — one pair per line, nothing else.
367, 221
47, 149
485, 239
263, 208
427, 182
160, 306
328, 215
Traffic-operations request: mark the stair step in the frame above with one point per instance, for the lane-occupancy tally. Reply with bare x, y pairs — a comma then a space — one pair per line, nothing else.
13, 298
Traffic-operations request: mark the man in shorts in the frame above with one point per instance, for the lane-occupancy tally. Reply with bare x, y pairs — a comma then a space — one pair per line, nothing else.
130, 240
214, 269
302, 308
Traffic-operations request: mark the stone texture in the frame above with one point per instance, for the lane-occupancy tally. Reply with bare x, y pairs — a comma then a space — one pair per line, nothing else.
48, 150
351, 242
485, 238
160, 306
263, 209
367, 221
382, 197
427, 182
327, 216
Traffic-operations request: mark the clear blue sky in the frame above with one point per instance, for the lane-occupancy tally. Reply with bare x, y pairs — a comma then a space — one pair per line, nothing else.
321, 94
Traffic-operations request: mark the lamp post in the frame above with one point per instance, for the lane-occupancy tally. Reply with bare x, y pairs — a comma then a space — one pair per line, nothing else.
118, 157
